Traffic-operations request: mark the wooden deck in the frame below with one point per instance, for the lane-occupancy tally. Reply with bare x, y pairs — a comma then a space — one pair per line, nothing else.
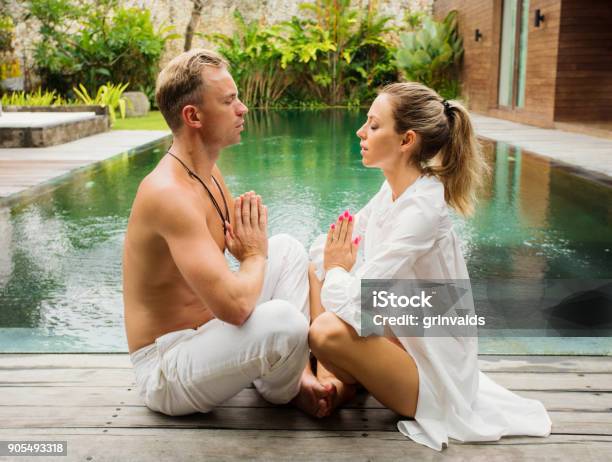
89, 400
23, 170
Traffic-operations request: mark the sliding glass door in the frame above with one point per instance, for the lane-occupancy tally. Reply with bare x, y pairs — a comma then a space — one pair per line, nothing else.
513, 53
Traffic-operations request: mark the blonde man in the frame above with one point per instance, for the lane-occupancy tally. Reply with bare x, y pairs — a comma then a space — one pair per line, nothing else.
197, 332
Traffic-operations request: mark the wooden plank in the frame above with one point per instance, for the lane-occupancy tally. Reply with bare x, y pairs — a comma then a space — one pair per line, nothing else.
488, 363
122, 396
266, 418
69, 360
95, 395
252, 417
147, 444
124, 377
249, 401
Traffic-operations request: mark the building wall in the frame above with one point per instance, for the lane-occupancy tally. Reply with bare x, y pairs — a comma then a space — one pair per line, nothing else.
481, 62
584, 66
479, 68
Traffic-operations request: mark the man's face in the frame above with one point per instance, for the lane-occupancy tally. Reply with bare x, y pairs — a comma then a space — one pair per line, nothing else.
221, 112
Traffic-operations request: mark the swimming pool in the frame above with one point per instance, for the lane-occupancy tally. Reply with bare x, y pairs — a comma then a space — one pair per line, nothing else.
60, 260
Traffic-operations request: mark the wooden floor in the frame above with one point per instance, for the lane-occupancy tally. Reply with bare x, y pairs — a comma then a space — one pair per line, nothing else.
89, 400
22, 170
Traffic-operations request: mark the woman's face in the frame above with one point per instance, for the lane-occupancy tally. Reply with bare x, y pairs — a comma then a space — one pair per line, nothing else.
380, 145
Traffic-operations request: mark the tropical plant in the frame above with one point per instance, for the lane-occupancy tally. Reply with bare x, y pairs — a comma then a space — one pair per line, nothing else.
255, 53
108, 95
36, 98
431, 54
89, 42
338, 55
6, 33
360, 53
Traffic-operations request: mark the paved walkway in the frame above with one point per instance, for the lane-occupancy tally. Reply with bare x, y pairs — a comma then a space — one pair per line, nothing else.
23, 168
575, 149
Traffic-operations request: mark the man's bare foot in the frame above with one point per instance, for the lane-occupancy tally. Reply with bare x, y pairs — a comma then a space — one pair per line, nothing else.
311, 394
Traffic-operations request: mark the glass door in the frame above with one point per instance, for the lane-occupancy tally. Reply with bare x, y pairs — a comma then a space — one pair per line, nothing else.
513, 53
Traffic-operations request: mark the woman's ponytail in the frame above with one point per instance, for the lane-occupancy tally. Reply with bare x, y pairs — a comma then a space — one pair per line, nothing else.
462, 167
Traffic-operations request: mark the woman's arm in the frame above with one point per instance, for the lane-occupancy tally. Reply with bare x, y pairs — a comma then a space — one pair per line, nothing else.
412, 233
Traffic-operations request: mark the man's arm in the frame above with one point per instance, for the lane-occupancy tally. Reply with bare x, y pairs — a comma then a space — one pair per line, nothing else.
230, 296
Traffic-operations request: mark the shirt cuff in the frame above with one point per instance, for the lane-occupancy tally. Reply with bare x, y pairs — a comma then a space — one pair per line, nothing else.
336, 270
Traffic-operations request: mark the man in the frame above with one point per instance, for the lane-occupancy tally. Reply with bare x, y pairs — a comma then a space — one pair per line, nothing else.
197, 332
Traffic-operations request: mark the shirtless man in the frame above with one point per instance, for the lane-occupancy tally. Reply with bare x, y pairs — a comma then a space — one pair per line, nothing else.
197, 332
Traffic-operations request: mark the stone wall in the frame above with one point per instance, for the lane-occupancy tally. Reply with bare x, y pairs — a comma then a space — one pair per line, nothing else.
217, 16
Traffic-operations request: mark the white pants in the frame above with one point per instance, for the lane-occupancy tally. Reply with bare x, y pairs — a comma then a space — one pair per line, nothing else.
194, 370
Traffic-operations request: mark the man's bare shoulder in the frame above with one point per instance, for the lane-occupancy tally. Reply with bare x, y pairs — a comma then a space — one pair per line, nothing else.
163, 200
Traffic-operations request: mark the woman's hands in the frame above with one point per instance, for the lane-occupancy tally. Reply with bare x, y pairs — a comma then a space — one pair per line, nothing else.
340, 248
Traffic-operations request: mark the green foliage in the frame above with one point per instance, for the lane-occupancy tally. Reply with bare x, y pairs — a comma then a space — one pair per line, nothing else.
431, 53
37, 98
6, 34
339, 55
108, 95
87, 43
255, 53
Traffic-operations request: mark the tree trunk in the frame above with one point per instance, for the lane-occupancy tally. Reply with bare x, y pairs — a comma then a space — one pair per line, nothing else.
196, 13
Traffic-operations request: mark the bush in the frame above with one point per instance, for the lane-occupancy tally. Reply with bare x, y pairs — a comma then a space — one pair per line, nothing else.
337, 56
91, 42
431, 53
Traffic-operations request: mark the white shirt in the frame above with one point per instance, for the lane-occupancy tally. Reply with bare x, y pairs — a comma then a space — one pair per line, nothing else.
413, 238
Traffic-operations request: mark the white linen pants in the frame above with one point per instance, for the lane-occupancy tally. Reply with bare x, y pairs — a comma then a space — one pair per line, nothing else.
194, 370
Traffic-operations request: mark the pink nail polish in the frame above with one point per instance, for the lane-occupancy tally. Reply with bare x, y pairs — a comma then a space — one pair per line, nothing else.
350, 218
341, 218
333, 226
346, 214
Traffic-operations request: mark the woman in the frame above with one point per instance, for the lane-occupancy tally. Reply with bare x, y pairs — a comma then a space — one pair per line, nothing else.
427, 150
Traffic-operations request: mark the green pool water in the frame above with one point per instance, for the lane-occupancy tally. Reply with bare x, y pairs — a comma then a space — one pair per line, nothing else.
60, 259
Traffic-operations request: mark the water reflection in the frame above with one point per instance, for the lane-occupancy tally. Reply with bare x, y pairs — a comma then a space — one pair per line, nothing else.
60, 259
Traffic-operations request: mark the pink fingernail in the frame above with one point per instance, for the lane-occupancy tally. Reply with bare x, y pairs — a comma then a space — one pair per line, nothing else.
346, 214
341, 217
350, 218
333, 226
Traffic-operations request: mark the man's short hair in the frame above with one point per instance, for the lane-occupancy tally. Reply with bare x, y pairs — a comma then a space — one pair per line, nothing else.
181, 83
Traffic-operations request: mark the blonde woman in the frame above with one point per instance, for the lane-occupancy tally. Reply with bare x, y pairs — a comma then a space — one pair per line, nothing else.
427, 150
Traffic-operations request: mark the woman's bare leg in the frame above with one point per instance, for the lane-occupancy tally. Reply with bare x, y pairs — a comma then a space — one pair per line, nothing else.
386, 370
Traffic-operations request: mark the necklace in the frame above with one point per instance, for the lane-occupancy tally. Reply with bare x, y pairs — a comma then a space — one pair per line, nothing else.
192, 174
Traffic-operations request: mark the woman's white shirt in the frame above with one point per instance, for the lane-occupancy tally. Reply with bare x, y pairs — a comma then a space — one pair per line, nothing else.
413, 238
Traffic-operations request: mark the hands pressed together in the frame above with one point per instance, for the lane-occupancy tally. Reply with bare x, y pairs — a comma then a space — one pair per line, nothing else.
340, 247
248, 235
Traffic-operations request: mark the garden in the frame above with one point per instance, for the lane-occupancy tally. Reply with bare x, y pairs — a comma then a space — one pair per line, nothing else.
332, 55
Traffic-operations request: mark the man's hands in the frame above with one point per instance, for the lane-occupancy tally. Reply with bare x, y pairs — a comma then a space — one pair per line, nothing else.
340, 249
248, 236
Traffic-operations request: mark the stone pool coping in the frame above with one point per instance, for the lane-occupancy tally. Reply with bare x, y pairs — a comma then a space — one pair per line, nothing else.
25, 171
583, 155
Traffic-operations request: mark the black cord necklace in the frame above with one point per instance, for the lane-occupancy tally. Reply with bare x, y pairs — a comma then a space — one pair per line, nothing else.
192, 174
